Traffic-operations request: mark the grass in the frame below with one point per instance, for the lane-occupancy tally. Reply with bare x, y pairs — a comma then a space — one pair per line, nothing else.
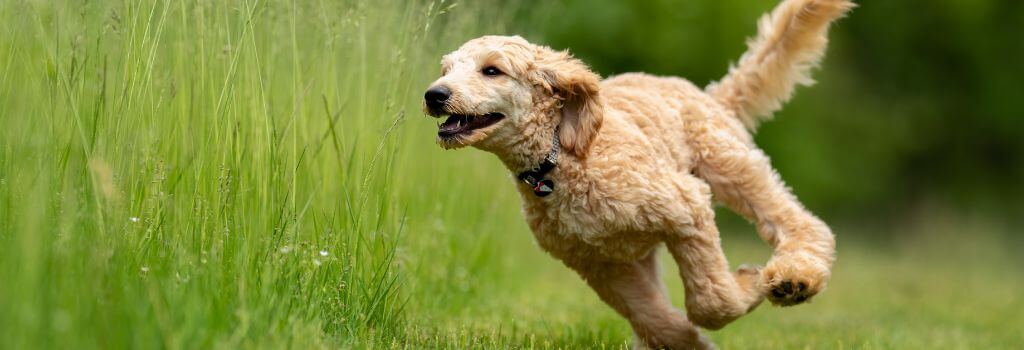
255, 174
930, 289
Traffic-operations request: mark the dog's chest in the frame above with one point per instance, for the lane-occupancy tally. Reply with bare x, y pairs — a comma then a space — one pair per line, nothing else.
569, 229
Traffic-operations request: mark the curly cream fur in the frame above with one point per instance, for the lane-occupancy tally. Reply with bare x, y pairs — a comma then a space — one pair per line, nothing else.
641, 158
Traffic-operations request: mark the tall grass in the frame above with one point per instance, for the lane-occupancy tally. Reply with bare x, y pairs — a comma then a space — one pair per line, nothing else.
197, 174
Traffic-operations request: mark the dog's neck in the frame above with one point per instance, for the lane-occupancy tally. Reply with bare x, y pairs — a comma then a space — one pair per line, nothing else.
528, 153
524, 153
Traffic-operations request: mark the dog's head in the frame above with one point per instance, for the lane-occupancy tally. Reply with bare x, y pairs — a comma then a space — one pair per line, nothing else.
501, 92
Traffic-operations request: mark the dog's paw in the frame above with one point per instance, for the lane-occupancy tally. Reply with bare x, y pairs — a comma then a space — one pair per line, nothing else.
749, 279
793, 279
716, 310
787, 293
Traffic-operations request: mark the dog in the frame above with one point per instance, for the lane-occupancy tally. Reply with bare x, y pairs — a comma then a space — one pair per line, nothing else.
609, 170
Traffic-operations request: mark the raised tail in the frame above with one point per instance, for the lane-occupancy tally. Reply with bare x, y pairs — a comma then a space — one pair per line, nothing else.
790, 42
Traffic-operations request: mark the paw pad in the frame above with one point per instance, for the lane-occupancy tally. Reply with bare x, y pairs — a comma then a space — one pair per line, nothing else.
787, 293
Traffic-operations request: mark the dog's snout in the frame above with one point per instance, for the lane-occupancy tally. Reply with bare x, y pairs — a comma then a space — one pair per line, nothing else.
437, 96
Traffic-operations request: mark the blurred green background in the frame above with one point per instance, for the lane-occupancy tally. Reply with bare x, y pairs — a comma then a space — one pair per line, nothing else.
233, 174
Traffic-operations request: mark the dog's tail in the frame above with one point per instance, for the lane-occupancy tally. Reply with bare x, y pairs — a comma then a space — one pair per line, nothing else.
790, 42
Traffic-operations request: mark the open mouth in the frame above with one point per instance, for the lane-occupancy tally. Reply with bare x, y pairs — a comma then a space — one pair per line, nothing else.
461, 124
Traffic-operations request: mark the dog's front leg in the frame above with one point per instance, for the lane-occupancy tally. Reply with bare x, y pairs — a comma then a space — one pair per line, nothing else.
635, 291
742, 177
715, 296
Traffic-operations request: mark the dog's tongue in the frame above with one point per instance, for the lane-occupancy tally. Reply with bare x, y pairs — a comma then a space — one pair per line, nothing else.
453, 124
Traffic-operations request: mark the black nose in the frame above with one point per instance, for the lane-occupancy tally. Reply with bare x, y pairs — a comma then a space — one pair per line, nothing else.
437, 96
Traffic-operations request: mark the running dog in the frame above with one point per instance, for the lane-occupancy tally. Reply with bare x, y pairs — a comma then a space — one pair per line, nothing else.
610, 169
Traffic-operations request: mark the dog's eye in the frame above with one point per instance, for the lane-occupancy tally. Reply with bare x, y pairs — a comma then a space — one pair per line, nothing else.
491, 71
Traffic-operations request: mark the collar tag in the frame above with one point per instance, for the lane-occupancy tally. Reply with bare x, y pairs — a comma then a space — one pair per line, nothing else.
544, 188
535, 177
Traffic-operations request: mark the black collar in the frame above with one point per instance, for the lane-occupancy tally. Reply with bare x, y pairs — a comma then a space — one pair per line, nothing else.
535, 177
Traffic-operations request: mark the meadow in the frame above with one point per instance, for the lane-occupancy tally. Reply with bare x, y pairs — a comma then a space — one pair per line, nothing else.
192, 174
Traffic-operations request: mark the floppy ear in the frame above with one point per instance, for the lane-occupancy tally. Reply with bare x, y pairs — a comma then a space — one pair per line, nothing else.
582, 111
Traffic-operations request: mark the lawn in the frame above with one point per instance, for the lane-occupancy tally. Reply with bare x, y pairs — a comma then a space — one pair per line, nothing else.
257, 174
925, 292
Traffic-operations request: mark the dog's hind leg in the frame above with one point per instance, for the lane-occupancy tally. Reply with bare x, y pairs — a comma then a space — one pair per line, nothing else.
635, 291
742, 177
